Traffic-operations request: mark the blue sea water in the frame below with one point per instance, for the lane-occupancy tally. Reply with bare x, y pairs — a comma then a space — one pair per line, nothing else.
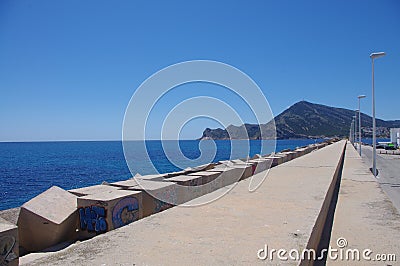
29, 168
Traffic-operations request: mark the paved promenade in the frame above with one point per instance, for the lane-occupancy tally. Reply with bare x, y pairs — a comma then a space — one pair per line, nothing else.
364, 216
389, 172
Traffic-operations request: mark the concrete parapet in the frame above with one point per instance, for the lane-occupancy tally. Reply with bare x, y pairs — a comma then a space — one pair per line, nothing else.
47, 219
105, 211
9, 244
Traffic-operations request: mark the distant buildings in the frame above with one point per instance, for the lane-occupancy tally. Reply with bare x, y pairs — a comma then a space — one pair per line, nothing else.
395, 136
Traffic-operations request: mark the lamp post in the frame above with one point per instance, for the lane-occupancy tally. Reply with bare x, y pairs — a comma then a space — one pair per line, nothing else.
359, 121
351, 133
373, 56
354, 130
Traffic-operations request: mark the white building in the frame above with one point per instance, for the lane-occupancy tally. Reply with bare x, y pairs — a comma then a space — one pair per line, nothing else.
395, 136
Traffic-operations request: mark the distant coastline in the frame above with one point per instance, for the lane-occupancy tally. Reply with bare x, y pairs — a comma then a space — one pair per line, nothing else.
304, 120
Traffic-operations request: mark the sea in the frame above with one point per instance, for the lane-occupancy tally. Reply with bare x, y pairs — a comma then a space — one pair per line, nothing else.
29, 168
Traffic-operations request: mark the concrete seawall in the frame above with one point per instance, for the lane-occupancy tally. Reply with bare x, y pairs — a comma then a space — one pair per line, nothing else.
287, 211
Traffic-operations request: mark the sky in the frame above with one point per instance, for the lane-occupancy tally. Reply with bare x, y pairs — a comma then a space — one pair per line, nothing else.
68, 69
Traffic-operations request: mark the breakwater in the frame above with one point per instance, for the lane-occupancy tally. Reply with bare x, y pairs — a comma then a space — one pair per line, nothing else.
57, 215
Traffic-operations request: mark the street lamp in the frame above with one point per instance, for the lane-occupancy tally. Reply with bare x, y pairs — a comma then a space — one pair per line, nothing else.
359, 121
374, 56
354, 130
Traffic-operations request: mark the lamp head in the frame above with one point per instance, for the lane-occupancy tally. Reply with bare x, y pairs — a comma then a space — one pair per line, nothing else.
361, 96
377, 55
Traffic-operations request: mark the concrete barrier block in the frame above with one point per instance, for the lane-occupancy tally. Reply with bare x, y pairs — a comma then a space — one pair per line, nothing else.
262, 164
247, 170
227, 175
9, 244
225, 163
206, 176
239, 161
244, 170
290, 155
300, 151
105, 211
209, 182
47, 219
296, 154
124, 184
157, 177
284, 156
84, 191
203, 167
276, 160
189, 186
157, 196
186, 180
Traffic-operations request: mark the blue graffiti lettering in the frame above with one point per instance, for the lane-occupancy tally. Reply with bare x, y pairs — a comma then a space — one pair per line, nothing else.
93, 219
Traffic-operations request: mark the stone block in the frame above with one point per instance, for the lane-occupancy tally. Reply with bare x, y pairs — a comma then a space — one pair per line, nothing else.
157, 196
229, 174
276, 160
157, 177
262, 164
9, 244
48, 219
105, 211
84, 191
125, 183
210, 180
189, 186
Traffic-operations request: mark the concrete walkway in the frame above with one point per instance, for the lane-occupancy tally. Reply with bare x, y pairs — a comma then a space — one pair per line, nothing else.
389, 172
283, 213
364, 216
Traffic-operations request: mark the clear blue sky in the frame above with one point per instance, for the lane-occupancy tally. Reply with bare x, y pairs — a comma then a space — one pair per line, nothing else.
69, 68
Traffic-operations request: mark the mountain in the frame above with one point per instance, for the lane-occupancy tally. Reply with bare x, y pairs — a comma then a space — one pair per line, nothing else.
304, 120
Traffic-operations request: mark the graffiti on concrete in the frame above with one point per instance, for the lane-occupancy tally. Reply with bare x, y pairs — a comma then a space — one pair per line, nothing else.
93, 219
7, 244
253, 169
125, 212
